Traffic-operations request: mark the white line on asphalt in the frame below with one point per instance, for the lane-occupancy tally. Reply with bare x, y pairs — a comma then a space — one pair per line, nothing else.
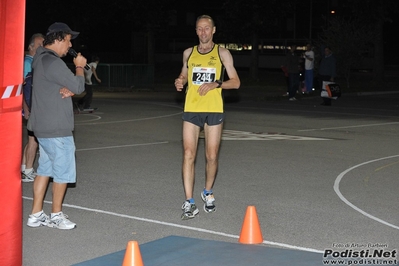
336, 188
367, 125
123, 146
129, 120
178, 226
243, 135
96, 117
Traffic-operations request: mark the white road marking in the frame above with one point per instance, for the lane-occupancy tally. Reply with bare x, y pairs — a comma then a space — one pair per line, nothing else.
336, 189
96, 117
130, 120
242, 135
123, 146
358, 126
178, 226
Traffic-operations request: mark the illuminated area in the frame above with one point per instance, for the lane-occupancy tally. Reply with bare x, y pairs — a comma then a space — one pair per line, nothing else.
262, 47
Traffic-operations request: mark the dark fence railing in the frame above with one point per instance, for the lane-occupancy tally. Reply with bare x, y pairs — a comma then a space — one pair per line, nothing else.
125, 75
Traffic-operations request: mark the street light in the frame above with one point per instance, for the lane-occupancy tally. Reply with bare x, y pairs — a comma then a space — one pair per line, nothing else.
310, 22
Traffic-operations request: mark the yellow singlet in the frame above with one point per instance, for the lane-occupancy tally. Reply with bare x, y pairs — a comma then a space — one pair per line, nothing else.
204, 68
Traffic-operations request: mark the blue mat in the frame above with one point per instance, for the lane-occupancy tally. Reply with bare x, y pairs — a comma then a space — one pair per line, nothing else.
184, 251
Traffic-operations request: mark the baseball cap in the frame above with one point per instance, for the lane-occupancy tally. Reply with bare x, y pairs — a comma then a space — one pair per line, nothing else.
59, 26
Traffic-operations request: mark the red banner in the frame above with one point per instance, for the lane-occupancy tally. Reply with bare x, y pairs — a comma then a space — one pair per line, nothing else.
12, 31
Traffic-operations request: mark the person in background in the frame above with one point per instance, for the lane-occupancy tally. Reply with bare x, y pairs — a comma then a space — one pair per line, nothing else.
203, 69
85, 102
327, 71
292, 65
52, 120
30, 149
309, 65
287, 80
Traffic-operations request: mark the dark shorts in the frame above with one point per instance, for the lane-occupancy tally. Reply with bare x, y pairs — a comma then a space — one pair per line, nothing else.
200, 119
30, 133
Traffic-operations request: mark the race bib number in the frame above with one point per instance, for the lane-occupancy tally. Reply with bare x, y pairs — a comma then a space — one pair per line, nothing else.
203, 75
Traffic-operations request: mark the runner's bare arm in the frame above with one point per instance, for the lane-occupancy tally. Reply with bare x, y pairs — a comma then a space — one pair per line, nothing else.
227, 60
182, 79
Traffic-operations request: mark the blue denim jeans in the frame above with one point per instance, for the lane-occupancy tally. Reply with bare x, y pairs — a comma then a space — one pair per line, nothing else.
57, 159
309, 80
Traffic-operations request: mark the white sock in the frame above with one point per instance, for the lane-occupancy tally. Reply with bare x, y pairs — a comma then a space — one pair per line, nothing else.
23, 167
37, 214
27, 170
55, 214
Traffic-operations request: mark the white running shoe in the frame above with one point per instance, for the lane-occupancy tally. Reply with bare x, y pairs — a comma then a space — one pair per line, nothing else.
61, 221
28, 176
209, 202
36, 221
190, 210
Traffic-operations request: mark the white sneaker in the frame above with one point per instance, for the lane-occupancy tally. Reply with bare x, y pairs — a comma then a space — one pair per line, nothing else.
209, 202
28, 176
36, 221
61, 221
292, 99
190, 210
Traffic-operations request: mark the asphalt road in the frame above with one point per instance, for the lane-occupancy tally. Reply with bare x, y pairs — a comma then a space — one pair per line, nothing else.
320, 177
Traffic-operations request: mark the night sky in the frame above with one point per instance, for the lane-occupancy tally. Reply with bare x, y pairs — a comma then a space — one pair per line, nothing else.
107, 33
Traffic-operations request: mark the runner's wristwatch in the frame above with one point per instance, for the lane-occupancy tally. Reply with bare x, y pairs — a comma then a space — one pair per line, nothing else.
219, 82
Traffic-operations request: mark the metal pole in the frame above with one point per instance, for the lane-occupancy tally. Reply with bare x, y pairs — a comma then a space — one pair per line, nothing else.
295, 22
310, 22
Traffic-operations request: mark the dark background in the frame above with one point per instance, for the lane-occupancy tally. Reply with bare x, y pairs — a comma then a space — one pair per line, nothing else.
119, 30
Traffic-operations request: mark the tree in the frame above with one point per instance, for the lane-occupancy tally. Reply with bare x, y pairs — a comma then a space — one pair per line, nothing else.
349, 40
148, 17
93, 20
248, 20
107, 25
374, 13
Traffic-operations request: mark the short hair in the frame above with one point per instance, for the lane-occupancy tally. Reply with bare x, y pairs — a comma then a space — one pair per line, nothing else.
206, 17
33, 38
50, 38
95, 58
328, 47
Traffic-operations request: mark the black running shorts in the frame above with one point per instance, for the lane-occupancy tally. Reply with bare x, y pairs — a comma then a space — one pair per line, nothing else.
200, 119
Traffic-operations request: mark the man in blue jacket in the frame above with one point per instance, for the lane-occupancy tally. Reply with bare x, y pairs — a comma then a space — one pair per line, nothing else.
327, 71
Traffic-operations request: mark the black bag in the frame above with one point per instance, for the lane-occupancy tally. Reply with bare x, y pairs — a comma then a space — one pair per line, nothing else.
333, 90
27, 89
330, 90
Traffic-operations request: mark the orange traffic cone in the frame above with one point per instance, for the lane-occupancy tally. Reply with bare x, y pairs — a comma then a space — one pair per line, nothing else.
250, 231
132, 255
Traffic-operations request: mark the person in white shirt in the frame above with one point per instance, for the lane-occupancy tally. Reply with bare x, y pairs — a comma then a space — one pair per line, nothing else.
85, 102
309, 65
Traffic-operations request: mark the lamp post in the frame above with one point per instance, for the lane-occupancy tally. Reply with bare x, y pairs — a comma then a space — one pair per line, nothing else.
310, 20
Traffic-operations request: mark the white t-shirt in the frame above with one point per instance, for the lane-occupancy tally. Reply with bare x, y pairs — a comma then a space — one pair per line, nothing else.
89, 73
309, 64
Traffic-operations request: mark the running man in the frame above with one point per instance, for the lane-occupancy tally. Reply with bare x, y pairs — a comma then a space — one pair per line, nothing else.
203, 69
